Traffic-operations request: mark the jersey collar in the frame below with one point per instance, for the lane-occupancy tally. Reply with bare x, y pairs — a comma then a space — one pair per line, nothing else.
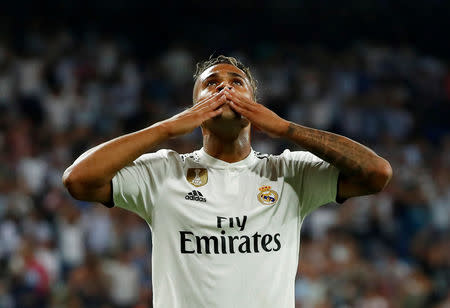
207, 159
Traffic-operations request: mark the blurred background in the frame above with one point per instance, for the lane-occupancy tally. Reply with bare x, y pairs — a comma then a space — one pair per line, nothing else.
73, 75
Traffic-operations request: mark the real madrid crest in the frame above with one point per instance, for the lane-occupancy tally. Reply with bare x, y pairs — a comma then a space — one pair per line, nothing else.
197, 176
267, 196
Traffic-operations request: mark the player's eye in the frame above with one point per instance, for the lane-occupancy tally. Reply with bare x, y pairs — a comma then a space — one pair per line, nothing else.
211, 83
238, 82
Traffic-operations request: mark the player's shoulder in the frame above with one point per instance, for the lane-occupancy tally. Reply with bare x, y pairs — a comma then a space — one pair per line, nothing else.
193, 157
163, 155
286, 164
286, 156
171, 157
301, 156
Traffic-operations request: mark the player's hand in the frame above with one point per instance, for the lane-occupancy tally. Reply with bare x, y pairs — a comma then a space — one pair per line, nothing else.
186, 121
260, 116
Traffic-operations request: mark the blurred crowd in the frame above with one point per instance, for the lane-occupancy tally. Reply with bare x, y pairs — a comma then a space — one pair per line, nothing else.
62, 94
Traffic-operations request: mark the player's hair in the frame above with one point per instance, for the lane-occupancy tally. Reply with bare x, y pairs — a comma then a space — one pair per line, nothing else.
221, 59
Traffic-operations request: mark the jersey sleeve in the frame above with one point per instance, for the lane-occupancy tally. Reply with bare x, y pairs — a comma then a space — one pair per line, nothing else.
315, 180
136, 187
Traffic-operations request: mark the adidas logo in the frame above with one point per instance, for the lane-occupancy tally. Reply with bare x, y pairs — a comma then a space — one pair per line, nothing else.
195, 195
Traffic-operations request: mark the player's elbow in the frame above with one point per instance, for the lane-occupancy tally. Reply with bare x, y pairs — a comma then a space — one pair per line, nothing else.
380, 176
74, 183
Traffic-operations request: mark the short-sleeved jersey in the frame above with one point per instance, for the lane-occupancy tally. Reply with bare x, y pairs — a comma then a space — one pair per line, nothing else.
224, 234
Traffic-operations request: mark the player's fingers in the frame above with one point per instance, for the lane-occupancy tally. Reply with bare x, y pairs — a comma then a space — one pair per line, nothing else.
206, 101
213, 105
243, 103
218, 102
245, 112
213, 113
212, 102
244, 100
211, 97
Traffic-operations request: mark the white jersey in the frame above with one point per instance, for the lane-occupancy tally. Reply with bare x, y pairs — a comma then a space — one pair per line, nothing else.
224, 234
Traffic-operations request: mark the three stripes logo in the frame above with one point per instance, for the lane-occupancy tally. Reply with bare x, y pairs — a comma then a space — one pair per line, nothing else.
195, 195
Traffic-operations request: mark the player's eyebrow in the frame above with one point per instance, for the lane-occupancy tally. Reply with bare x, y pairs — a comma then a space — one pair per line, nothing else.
232, 74
213, 75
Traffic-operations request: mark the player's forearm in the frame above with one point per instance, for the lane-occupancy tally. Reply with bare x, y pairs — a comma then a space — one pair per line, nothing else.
351, 158
97, 166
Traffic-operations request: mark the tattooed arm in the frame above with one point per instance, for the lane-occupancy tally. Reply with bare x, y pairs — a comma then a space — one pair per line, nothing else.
362, 171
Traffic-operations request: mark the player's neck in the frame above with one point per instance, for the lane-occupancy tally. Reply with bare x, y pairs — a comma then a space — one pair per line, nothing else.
230, 150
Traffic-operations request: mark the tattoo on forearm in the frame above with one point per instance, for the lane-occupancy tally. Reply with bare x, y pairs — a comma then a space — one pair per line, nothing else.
351, 158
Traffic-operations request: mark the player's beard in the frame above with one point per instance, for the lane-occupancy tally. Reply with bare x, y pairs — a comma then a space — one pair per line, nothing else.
228, 113
228, 125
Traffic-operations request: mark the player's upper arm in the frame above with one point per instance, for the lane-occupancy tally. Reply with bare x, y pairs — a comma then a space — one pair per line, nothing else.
79, 191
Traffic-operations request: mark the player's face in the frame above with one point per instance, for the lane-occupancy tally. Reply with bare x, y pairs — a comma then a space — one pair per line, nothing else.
220, 77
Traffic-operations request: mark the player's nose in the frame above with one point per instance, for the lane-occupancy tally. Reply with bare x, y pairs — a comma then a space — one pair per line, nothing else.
222, 86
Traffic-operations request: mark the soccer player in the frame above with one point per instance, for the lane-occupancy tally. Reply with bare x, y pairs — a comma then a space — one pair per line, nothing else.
225, 220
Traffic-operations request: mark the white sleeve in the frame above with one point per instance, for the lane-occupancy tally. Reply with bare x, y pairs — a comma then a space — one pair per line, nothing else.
315, 180
136, 187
